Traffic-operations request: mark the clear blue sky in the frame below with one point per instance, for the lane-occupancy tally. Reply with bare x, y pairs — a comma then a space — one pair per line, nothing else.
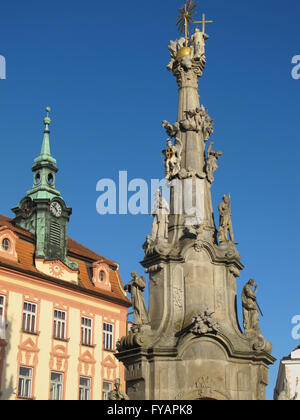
100, 66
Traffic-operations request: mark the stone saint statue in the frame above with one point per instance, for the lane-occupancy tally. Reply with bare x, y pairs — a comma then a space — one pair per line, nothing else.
225, 224
160, 215
136, 288
198, 44
117, 394
211, 163
250, 307
173, 158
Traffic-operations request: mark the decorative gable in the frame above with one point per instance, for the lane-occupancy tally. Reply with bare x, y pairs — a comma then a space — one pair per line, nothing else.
101, 275
8, 241
57, 269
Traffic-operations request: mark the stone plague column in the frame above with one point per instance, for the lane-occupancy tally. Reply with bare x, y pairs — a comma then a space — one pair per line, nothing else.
192, 346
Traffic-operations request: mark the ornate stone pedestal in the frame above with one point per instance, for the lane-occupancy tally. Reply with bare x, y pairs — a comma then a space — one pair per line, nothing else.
193, 346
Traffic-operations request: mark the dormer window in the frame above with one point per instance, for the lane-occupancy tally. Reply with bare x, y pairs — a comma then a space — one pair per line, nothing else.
6, 244
8, 241
101, 275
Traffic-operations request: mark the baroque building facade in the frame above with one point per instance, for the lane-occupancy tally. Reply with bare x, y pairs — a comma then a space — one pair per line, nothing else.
287, 384
62, 305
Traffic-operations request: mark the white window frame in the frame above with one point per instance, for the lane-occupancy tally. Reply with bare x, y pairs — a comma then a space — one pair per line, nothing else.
25, 383
56, 387
2, 309
29, 317
85, 390
105, 392
86, 331
59, 325
2, 317
108, 336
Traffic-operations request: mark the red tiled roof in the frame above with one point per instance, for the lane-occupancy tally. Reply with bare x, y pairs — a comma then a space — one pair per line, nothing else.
76, 252
297, 348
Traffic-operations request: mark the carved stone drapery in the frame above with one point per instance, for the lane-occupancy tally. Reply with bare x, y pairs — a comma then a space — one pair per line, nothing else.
136, 288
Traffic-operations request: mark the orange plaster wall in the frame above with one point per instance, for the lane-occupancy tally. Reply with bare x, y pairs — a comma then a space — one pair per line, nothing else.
60, 350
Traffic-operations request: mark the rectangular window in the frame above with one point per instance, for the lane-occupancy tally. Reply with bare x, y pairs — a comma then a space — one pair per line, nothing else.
29, 317
107, 387
56, 386
108, 335
2, 308
59, 328
25, 382
2, 317
86, 331
84, 389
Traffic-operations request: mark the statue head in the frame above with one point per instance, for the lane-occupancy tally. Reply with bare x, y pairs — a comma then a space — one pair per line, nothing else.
134, 274
169, 143
117, 384
251, 282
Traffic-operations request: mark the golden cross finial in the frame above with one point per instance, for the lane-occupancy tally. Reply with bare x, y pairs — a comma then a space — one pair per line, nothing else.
203, 21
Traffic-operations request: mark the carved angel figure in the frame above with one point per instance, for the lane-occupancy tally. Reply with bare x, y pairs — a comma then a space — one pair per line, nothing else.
195, 120
207, 124
174, 47
173, 158
191, 122
211, 163
171, 130
204, 323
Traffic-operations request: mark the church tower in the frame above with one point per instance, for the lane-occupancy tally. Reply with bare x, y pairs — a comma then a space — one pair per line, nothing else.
190, 345
43, 212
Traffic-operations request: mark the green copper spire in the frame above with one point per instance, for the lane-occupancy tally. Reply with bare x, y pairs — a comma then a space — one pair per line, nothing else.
42, 211
44, 168
46, 143
45, 151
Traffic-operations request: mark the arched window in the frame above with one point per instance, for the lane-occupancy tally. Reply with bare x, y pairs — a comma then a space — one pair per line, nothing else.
6, 244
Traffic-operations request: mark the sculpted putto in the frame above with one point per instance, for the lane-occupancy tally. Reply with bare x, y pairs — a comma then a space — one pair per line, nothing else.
195, 120
174, 47
204, 323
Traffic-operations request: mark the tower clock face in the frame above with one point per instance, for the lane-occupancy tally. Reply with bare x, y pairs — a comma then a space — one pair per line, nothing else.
55, 209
